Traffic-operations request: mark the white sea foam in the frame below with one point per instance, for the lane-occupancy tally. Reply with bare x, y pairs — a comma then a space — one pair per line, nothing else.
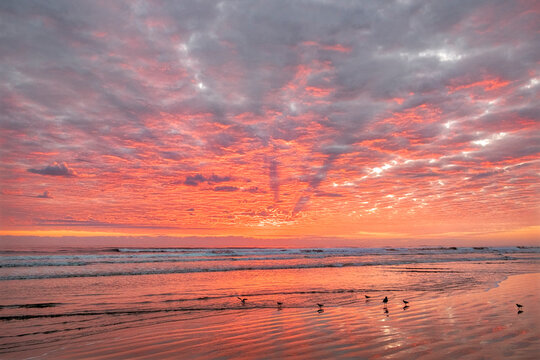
144, 261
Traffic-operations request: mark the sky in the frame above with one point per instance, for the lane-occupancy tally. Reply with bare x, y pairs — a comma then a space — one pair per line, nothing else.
377, 121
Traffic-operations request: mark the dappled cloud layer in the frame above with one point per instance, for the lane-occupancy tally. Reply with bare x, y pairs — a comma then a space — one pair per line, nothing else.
387, 119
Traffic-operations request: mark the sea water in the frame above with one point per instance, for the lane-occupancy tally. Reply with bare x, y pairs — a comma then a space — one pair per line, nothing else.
50, 296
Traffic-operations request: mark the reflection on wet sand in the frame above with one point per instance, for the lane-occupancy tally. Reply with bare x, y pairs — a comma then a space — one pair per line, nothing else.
467, 324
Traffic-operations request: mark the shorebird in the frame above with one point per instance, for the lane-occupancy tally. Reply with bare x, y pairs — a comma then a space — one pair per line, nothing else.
405, 302
279, 303
321, 310
242, 300
367, 297
519, 306
320, 306
385, 300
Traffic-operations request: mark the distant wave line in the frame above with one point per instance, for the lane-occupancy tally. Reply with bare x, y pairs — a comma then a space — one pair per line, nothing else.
355, 250
143, 261
239, 268
160, 255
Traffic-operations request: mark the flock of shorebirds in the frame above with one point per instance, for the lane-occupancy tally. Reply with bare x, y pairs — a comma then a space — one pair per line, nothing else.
280, 304
384, 301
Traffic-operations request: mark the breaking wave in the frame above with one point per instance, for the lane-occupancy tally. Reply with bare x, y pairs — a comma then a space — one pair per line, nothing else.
148, 261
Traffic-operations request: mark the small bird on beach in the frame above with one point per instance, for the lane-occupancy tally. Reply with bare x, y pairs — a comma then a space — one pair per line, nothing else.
405, 302
320, 306
243, 300
367, 296
519, 306
321, 310
405, 307
279, 303
385, 300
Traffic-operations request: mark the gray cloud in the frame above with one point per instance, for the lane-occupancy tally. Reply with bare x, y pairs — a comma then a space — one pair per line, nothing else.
300, 204
274, 178
254, 190
194, 180
327, 194
45, 195
226, 188
56, 169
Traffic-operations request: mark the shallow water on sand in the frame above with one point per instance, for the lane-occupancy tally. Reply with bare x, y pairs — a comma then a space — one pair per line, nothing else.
453, 304
473, 324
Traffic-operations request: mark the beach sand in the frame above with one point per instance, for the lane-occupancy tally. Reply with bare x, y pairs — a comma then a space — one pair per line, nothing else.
478, 324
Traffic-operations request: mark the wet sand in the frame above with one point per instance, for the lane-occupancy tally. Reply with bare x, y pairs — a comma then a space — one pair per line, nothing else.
479, 324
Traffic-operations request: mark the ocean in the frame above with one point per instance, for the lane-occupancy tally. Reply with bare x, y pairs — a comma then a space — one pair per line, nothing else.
52, 297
